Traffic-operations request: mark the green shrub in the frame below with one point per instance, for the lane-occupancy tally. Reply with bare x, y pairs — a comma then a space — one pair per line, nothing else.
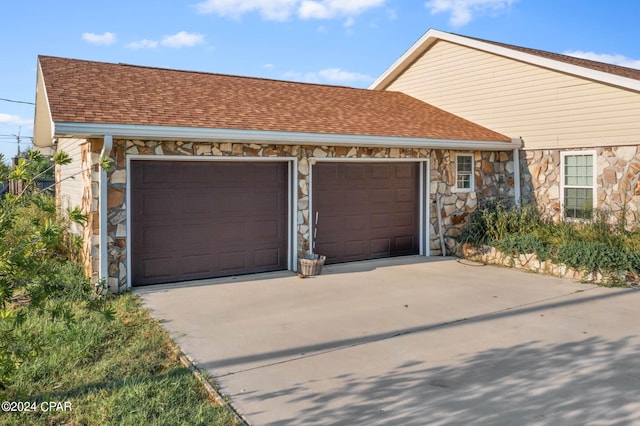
494, 221
516, 244
594, 257
593, 246
40, 275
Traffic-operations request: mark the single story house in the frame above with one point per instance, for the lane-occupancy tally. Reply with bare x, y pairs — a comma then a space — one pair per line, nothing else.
579, 120
215, 175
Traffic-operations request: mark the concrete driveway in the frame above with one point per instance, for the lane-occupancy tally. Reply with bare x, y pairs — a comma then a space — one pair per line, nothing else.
411, 341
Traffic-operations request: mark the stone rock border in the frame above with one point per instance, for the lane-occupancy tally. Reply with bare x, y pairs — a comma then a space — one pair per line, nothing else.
530, 263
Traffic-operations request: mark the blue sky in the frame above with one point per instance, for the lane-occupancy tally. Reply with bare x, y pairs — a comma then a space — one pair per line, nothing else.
345, 42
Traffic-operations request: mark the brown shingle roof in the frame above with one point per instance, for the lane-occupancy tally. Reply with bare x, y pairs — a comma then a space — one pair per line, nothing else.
586, 63
103, 93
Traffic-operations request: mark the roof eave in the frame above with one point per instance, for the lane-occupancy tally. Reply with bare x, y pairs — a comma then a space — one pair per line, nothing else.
431, 36
129, 131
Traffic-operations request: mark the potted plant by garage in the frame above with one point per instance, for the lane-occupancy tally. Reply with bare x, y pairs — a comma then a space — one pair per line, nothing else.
311, 263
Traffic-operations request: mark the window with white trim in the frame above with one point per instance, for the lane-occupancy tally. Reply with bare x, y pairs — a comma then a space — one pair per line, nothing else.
578, 184
464, 172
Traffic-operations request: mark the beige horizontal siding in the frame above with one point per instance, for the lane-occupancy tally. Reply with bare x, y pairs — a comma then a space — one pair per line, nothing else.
548, 109
70, 188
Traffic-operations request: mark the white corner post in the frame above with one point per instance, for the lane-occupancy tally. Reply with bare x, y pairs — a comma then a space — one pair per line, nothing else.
516, 177
104, 252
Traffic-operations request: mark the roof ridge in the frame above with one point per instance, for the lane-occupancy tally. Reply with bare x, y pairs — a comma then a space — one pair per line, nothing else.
201, 72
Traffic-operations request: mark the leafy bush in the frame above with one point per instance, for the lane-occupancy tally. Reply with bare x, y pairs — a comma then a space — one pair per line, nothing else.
516, 244
593, 257
39, 270
494, 221
592, 246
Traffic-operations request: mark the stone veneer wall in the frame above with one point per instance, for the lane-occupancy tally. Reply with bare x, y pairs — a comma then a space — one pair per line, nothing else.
493, 172
493, 179
618, 181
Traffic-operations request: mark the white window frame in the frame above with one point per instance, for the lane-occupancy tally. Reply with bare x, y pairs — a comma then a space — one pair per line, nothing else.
593, 186
472, 175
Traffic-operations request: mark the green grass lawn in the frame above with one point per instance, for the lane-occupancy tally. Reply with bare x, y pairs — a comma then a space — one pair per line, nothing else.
122, 371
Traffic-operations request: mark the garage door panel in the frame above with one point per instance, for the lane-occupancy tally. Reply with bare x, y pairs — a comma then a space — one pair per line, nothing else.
381, 220
404, 220
154, 203
194, 202
266, 258
229, 231
380, 171
328, 202
355, 172
267, 201
403, 195
195, 235
157, 268
266, 230
366, 210
159, 173
226, 201
207, 219
381, 195
405, 170
381, 246
327, 173
156, 237
355, 249
196, 264
404, 243
196, 172
353, 223
233, 261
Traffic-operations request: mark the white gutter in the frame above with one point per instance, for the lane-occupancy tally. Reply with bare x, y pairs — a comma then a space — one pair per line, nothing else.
286, 138
104, 252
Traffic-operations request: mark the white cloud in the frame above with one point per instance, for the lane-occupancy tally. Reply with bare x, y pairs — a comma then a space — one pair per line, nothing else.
463, 11
280, 10
326, 9
274, 10
142, 44
103, 39
13, 119
182, 39
330, 75
176, 41
614, 59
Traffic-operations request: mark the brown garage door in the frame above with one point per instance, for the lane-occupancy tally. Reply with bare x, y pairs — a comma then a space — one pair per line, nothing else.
366, 210
193, 220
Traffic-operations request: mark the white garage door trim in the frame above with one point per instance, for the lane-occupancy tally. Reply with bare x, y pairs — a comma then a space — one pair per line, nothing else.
292, 164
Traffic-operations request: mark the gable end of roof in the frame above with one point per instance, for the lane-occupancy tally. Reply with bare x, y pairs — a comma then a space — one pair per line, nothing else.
627, 78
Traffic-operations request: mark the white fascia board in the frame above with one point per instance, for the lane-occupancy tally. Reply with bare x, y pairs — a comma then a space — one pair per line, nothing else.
431, 36
128, 131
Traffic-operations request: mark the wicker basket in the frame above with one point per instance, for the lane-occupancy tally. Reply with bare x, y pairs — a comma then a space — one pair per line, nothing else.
311, 265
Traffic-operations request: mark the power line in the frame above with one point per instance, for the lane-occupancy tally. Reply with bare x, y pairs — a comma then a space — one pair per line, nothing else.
16, 136
17, 102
